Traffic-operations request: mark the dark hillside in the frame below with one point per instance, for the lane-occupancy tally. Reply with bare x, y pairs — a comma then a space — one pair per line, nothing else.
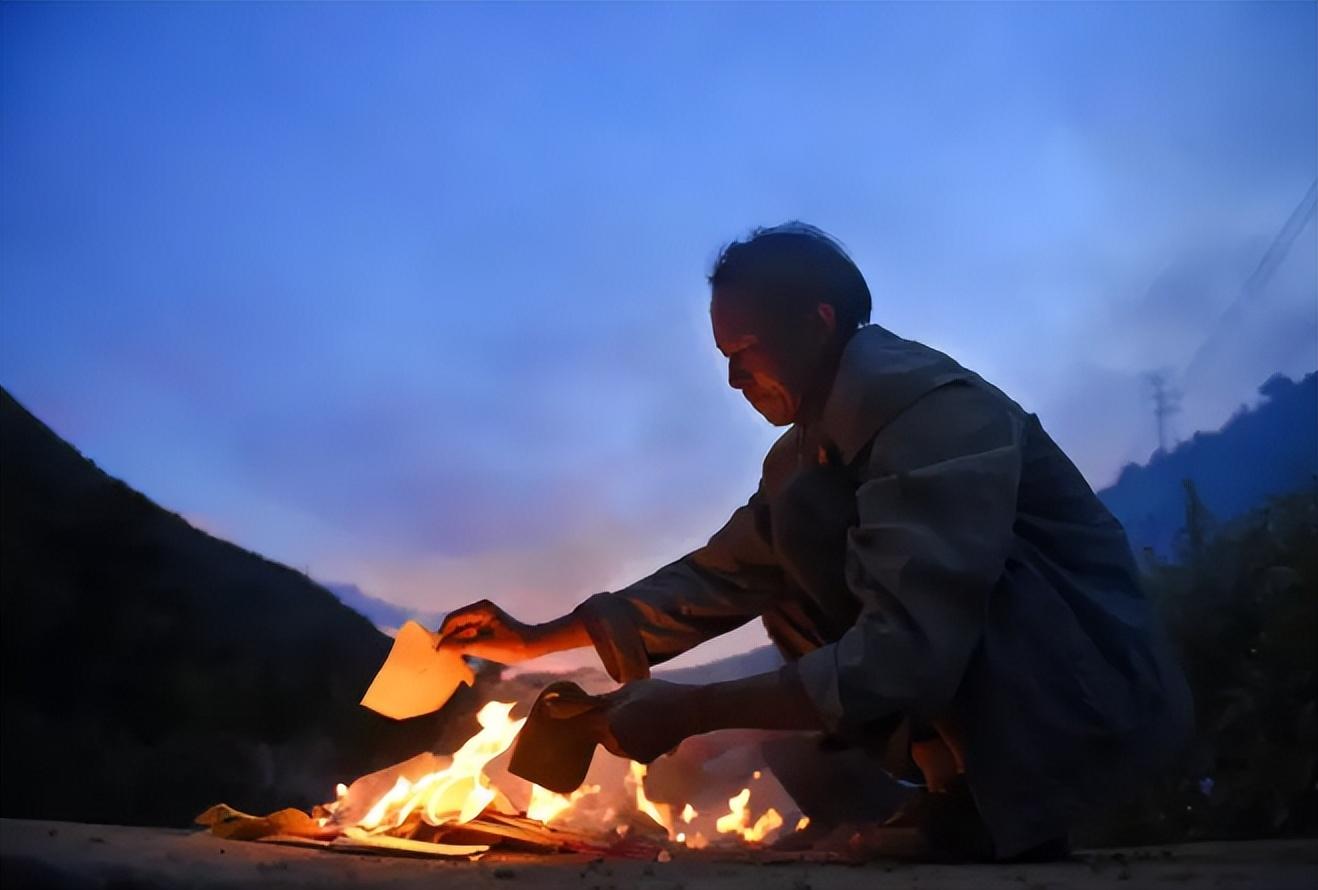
1268, 451
150, 670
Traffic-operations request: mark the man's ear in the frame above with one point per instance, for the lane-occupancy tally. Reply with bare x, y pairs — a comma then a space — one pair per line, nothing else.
829, 318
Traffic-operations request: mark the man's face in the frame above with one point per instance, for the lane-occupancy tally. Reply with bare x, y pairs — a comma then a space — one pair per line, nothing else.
772, 362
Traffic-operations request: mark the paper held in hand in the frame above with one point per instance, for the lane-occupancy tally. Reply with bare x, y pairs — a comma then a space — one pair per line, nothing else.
416, 677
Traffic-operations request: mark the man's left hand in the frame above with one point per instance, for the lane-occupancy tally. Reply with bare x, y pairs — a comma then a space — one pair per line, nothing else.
648, 718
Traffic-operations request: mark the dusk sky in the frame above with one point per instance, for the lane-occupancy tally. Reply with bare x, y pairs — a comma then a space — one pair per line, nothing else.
413, 296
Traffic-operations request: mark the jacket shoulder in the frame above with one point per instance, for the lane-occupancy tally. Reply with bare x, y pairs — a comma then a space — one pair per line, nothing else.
881, 375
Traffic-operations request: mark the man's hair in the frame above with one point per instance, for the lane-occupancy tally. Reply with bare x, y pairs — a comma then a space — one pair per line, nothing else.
791, 268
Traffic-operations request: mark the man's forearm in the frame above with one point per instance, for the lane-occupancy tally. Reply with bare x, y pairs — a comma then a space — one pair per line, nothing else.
773, 700
558, 635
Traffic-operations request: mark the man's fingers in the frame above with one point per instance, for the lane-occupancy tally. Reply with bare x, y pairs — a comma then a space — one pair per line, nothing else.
474, 615
454, 623
456, 634
465, 640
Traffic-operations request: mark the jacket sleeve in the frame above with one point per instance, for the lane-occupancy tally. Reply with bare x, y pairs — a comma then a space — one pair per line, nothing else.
936, 512
708, 592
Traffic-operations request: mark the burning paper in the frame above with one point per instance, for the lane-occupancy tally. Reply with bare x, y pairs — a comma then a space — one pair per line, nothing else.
416, 678
440, 790
458, 805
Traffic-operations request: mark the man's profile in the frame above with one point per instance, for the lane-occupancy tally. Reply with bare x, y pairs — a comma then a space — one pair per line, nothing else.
930, 564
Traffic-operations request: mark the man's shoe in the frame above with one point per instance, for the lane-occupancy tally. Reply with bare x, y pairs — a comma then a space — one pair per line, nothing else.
946, 826
952, 823
935, 827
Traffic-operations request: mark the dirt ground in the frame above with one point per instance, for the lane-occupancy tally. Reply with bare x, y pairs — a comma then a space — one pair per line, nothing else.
109, 857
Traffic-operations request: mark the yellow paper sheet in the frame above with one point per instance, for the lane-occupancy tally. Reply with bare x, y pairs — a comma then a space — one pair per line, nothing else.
356, 840
416, 678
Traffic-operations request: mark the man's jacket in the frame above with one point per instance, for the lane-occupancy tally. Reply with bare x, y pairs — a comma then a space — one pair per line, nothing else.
985, 584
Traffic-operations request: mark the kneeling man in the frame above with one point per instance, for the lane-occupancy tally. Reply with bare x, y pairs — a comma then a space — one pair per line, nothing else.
924, 556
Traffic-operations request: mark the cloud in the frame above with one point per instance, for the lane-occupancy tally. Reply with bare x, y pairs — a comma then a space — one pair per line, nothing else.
417, 300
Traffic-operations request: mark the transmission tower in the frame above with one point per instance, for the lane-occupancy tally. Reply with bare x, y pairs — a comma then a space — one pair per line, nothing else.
1166, 402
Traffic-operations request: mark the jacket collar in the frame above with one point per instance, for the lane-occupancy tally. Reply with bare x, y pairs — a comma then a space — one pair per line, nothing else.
880, 375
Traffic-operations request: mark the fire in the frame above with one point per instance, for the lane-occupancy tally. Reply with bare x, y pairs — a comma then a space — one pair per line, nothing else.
460, 791
643, 803
457, 793
738, 820
545, 805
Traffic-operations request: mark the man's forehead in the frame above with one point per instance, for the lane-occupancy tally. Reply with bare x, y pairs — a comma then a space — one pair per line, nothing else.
737, 315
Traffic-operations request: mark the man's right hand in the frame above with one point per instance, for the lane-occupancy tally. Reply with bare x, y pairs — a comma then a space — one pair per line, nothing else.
483, 630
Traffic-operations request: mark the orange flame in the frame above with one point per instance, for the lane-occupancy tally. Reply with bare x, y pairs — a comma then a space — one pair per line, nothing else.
660, 813
546, 805
738, 820
461, 791
457, 793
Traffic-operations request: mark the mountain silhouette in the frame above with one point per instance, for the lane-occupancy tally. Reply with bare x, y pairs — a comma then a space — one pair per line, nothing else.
150, 670
1265, 452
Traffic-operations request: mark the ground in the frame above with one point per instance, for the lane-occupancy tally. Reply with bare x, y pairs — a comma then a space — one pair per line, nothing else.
78, 856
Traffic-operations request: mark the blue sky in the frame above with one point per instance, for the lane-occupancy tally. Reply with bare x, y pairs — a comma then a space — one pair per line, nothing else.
413, 297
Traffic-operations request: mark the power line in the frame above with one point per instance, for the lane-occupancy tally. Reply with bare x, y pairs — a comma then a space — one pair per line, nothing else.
1272, 258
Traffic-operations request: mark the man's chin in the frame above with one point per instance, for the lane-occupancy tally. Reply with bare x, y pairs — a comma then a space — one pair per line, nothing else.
773, 411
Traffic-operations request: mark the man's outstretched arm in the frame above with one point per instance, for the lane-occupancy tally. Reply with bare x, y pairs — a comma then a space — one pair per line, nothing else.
483, 630
708, 592
648, 718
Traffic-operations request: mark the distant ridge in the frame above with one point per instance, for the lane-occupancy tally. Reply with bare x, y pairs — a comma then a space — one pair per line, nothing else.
1260, 453
386, 616
149, 670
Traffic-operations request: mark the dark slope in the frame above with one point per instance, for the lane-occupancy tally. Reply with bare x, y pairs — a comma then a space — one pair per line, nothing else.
1271, 450
150, 670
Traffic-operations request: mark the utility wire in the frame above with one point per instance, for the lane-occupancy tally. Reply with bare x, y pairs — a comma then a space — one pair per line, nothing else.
1272, 258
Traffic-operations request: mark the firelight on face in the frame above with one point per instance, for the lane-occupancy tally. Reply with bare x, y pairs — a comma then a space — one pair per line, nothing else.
770, 363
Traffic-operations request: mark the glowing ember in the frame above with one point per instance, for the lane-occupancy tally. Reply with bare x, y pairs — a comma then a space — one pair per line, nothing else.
803, 823
738, 820
689, 813
457, 793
